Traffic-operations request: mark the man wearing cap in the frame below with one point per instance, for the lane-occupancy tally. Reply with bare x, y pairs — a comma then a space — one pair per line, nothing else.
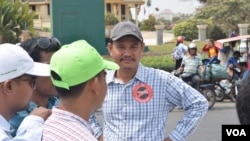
17, 80
139, 98
81, 86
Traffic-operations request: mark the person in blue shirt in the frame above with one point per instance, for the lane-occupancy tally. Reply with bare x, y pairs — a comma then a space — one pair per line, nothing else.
182, 49
232, 63
139, 98
44, 94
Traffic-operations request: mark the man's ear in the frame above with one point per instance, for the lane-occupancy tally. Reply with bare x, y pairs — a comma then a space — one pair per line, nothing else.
94, 85
7, 87
109, 47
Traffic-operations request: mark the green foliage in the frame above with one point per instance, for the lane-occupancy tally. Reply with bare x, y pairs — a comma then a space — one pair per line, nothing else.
159, 56
225, 14
46, 29
175, 19
163, 62
215, 32
111, 19
148, 25
13, 15
36, 16
189, 29
165, 22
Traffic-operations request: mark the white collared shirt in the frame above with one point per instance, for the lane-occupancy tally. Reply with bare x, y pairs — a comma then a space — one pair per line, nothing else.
29, 130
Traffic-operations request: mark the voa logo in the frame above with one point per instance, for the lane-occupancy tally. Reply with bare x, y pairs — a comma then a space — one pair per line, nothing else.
236, 132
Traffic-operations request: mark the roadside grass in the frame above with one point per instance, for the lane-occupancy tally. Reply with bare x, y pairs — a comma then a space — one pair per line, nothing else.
158, 56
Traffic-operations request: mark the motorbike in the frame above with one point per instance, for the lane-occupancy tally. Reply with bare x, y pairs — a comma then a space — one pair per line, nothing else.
206, 89
225, 90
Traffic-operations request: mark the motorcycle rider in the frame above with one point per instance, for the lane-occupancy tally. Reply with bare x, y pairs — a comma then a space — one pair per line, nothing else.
191, 65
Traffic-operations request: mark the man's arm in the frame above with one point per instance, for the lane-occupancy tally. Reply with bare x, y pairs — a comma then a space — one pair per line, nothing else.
201, 69
31, 127
195, 106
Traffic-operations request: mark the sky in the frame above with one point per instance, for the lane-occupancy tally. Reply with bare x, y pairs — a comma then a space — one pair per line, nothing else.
182, 6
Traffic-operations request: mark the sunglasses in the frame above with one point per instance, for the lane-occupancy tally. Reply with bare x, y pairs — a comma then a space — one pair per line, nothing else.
31, 81
45, 43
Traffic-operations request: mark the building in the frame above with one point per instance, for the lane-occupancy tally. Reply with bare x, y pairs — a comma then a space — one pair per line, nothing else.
120, 8
166, 14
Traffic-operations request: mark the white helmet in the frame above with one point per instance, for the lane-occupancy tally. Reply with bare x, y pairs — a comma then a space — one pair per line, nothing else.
192, 46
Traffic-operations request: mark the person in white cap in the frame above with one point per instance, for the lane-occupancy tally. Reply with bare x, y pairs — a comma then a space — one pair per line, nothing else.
40, 50
139, 98
17, 80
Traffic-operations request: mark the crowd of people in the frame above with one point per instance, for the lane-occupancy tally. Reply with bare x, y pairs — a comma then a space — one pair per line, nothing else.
50, 91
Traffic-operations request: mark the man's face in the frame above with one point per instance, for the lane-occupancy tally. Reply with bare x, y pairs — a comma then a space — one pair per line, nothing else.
192, 51
126, 52
44, 85
22, 88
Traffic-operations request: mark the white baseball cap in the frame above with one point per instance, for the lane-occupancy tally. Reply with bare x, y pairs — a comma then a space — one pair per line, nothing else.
15, 61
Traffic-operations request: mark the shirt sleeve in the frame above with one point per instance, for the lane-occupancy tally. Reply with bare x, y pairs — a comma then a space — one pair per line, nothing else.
204, 48
29, 130
98, 131
194, 104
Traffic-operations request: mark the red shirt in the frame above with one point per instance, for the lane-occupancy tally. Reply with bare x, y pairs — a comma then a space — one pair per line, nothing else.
212, 51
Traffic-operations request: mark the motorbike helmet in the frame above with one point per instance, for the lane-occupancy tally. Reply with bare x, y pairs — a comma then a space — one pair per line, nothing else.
192, 46
180, 39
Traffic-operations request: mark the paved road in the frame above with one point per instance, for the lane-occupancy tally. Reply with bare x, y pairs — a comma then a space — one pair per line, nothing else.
210, 127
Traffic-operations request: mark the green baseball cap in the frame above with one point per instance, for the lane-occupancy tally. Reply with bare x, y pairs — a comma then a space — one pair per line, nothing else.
76, 63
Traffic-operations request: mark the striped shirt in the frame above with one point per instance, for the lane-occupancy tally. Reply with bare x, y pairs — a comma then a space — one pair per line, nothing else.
191, 64
138, 110
65, 126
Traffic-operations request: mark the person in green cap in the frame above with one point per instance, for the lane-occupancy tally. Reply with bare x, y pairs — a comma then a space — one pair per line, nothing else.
78, 74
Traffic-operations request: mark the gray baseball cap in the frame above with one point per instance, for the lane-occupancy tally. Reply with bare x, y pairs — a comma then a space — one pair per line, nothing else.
125, 28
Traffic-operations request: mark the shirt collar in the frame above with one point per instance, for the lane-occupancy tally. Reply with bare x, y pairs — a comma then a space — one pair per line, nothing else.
4, 124
53, 101
141, 74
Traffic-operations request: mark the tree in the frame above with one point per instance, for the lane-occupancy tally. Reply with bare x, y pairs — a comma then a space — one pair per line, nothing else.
14, 17
225, 14
110, 19
148, 24
187, 28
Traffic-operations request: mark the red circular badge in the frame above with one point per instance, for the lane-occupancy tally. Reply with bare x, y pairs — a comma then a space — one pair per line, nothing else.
142, 92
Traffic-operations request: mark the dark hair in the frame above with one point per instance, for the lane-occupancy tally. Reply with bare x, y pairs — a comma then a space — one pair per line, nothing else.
243, 64
31, 46
243, 102
212, 41
73, 91
177, 43
236, 53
